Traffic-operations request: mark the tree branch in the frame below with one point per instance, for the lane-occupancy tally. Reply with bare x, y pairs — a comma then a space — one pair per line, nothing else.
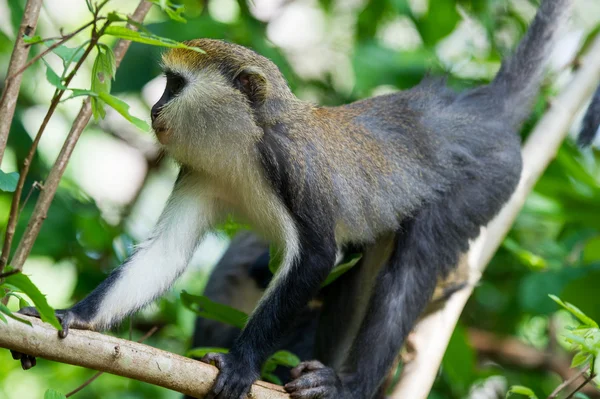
433, 332
8, 102
120, 357
51, 184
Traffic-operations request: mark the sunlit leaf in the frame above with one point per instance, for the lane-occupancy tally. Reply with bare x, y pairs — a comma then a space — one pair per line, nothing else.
580, 358
143, 37
521, 390
575, 312
271, 378
22, 283
123, 108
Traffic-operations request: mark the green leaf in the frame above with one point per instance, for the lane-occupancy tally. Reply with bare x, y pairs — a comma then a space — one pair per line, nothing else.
79, 93
22, 302
271, 378
521, 390
53, 78
52, 394
580, 358
24, 285
285, 358
103, 72
3, 318
532, 260
7, 311
123, 108
199, 352
208, 309
275, 258
342, 268
32, 40
8, 181
146, 38
114, 16
575, 312
68, 54
174, 11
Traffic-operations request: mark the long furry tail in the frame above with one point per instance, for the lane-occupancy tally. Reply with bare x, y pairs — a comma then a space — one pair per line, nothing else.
517, 83
591, 122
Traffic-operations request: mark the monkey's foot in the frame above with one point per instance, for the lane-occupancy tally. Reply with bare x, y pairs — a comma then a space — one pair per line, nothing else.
66, 317
313, 380
235, 376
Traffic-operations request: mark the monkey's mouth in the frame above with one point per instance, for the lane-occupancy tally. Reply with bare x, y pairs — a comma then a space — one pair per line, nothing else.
162, 134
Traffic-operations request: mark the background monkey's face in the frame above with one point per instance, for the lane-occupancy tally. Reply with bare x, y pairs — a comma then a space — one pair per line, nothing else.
213, 103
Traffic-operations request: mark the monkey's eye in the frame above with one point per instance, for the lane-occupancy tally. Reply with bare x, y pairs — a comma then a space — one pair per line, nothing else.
175, 83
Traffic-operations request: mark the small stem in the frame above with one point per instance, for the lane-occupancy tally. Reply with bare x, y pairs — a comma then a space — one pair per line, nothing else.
14, 207
49, 49
584, 383
568, 382
42, 205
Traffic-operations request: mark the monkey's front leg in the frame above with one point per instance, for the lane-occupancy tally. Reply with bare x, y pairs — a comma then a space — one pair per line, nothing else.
151, 270
295, 284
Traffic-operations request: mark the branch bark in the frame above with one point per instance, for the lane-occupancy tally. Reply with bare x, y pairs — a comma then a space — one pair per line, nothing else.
8, 102
120, 357
433, 332
51, 184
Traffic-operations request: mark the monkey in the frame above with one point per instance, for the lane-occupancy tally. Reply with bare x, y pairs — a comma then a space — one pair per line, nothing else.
408, 177
591, 121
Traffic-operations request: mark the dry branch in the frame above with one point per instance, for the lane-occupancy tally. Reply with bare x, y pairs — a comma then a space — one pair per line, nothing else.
8, 102
121, 357
433, 332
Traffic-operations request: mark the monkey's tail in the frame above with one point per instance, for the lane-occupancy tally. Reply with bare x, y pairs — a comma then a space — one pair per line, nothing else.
516, 85
591, 122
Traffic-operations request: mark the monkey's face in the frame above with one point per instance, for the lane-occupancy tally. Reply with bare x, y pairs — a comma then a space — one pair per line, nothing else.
207, 113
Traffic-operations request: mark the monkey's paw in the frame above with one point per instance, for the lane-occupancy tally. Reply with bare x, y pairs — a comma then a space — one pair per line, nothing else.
313, 380
235, 376
66, 317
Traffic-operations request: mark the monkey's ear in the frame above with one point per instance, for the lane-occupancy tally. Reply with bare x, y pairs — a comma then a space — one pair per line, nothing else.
253, 83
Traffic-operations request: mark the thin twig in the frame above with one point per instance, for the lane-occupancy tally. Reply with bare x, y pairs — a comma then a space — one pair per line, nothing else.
99, 373
14, 206
63, 39
51, 184
584, 383
568, 382
36, 184
8, 102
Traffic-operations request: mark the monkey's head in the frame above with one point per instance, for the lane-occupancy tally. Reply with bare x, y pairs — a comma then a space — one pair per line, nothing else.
218, 99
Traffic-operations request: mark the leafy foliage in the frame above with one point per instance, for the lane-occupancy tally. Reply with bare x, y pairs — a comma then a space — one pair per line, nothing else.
552, 249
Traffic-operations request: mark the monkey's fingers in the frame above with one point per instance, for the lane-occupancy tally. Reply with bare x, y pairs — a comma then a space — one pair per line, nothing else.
314, 380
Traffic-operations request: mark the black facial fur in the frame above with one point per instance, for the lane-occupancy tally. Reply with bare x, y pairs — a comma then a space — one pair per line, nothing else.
175, 83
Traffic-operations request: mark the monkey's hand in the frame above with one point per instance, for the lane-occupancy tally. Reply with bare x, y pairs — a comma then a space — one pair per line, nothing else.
235, 377
66, 317
313, 380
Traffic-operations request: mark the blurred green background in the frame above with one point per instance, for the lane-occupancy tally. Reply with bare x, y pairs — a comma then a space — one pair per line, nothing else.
332, 52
